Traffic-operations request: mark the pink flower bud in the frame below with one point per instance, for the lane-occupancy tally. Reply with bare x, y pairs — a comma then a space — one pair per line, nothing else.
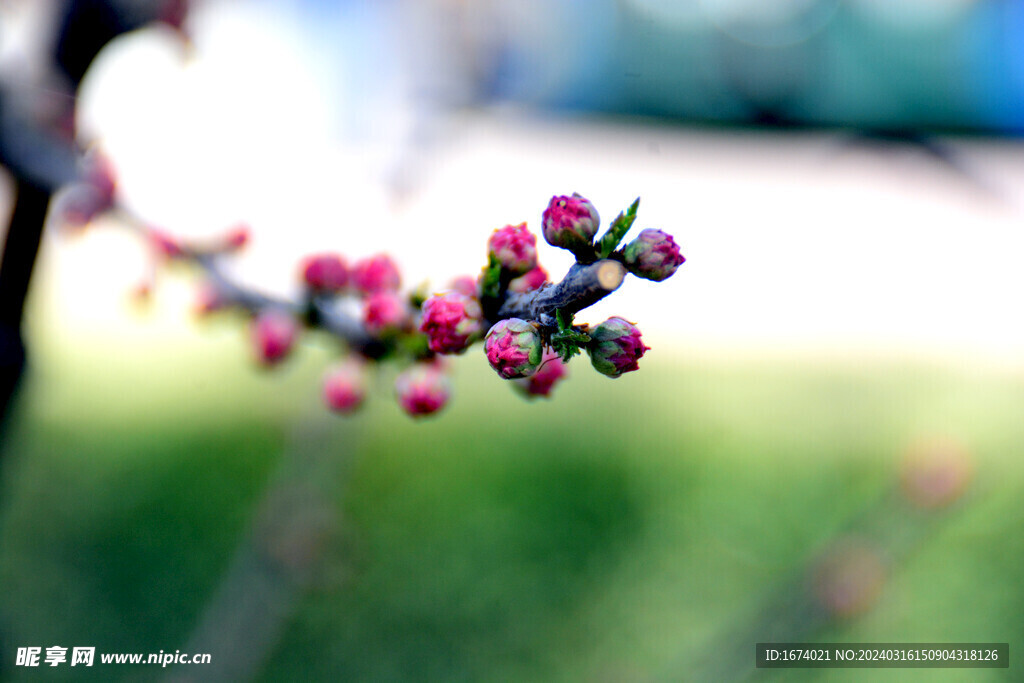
541, 383
273, 334
514, 247
451, 322
570, 222
325, 273
513, 348
384, 312
237, 237
530, 281
615, 347
209, 298
164, 244
466, 285
422, 390
653, 255
345, 386
375, 274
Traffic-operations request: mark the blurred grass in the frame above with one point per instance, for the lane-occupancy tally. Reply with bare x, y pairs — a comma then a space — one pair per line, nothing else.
619, 532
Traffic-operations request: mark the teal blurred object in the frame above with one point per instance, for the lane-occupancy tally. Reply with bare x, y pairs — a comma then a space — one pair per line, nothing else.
909, 65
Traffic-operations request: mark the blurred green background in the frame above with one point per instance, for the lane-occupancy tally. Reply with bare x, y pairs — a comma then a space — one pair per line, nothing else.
649, 528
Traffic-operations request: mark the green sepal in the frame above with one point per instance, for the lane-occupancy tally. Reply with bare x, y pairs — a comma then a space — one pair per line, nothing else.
617, 230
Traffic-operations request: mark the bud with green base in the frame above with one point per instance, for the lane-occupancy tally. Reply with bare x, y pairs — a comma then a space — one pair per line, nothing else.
570, 223
615, 347
653, 255
513, 348
514, 247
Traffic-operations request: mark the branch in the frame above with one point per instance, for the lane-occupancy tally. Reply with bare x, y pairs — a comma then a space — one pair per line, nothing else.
582, 286
318, 312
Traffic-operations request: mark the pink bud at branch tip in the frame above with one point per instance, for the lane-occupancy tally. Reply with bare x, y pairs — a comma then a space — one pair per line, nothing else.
375, 274
237, 237
164, 244
653, 255
451, 322
615, 347
514, 247
542, 382
345, 386
422, 390
513, 348
325, 273
570, 222
273, 334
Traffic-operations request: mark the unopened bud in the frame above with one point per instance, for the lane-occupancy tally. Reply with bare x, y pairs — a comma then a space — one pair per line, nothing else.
451, 322
237, 237
209, 298
615, 347
513, 348
273, 333
325, 273
514, 247
653, 255
570, 222
422, 390
466, 285
530, 281
164, 244
385, 312
345, 386
375, 274
543, 381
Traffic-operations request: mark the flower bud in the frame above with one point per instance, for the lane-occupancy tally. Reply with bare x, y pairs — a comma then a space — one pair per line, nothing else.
273, 334
530, 281
615, 347
325, 273
164, 244
375, 274
209, 298
451, 321
237, 237
514, 247
570, 222
422, 390
653, 255
541, 383
465, 285
384, 312
513, 348
345, 386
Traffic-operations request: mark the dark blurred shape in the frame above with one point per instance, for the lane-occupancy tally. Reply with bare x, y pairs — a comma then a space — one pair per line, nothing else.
88, 25
36, 148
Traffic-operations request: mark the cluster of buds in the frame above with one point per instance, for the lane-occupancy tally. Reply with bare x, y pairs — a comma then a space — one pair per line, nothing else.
530, 334
525, 321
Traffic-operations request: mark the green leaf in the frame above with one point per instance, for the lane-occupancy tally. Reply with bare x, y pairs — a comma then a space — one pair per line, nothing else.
564, 319
617, 230
491, 287
566, 342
